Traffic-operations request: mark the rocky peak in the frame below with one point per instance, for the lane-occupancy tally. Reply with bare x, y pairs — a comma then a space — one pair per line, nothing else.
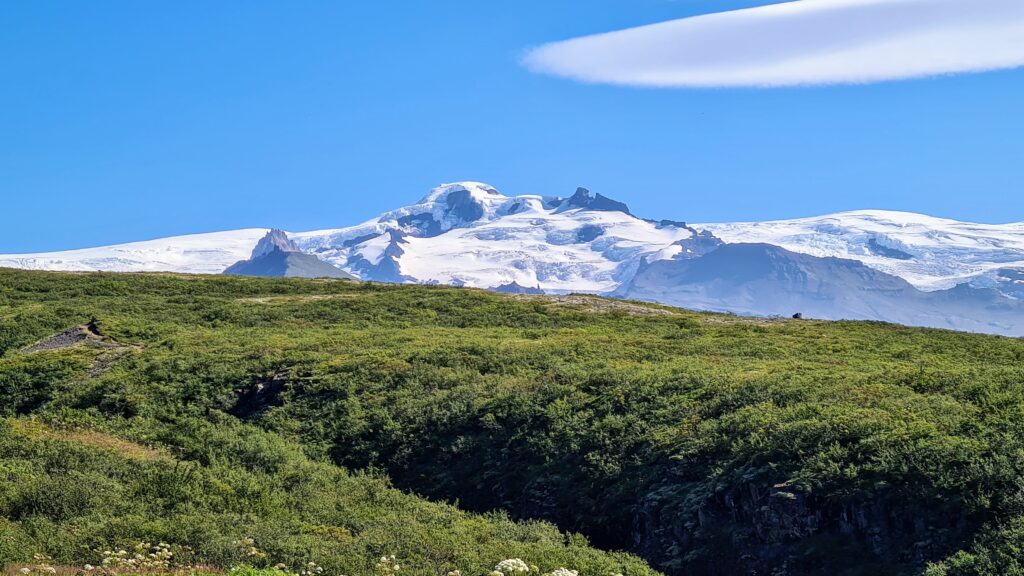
583, 199
517, 288
275, 240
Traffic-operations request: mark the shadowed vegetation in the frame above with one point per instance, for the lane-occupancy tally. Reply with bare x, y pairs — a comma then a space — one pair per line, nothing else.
709, 444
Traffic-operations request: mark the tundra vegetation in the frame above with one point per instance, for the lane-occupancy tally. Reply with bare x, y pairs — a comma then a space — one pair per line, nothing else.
265, 424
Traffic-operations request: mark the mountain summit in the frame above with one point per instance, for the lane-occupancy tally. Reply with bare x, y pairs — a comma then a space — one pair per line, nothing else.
583, 199
274, 240
275, 255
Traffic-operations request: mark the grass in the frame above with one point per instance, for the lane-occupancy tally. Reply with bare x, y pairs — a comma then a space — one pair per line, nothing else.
86, 437
708, 443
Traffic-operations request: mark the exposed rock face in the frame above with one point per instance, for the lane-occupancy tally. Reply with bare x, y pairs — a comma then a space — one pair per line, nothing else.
516, 288
461, 205
386, 268
274, 240
261, 395
878, 248
276, 256
589, 233
702, 242
761, 528
583, 199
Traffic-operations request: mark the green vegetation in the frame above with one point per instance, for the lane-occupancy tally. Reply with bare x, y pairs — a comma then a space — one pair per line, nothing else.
144, 451
708, 444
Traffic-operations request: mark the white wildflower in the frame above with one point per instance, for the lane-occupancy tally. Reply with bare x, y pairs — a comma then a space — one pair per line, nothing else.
512, 566
565, 572
388, 566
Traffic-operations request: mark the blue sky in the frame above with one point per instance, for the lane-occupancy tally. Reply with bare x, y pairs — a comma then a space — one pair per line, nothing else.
124, 120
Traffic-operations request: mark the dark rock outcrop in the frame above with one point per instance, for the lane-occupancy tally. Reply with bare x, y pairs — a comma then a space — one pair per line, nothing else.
386, 268
589, 233
583, 199
764, 528
880, 249
516, 288
462, 205
261, 395
276, 256
274, 240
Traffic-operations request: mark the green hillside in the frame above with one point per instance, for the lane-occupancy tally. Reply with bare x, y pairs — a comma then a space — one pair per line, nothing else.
203, 411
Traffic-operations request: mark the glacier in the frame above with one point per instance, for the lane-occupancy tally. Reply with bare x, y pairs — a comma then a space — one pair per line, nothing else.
895, 266
930, 253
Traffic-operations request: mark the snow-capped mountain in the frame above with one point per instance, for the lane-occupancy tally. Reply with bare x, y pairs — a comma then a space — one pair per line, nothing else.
192, 254
930, 253
878, 265
466, 233
764, 280
470, 234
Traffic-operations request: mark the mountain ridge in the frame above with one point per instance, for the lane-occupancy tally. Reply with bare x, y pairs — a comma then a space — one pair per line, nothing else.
767, 280
470, 234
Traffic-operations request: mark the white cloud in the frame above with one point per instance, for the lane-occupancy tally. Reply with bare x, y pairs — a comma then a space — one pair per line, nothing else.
799, 43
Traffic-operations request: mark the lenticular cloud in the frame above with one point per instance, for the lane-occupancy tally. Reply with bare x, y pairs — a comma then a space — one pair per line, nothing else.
799, 43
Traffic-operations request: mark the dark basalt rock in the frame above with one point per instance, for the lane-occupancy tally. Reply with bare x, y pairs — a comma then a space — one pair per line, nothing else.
589, 233
672, 223
583, 199
459, 204
765, 528
516, 288
260, 396
358, 240
702, 243
274, 240
278, 264
276, 256
878, 249
462, 205
386, 269
421, 225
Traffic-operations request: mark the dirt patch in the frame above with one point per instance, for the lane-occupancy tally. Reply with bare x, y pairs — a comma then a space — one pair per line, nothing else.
86, 335
600, 305
91, 438
721, 318
296, 298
